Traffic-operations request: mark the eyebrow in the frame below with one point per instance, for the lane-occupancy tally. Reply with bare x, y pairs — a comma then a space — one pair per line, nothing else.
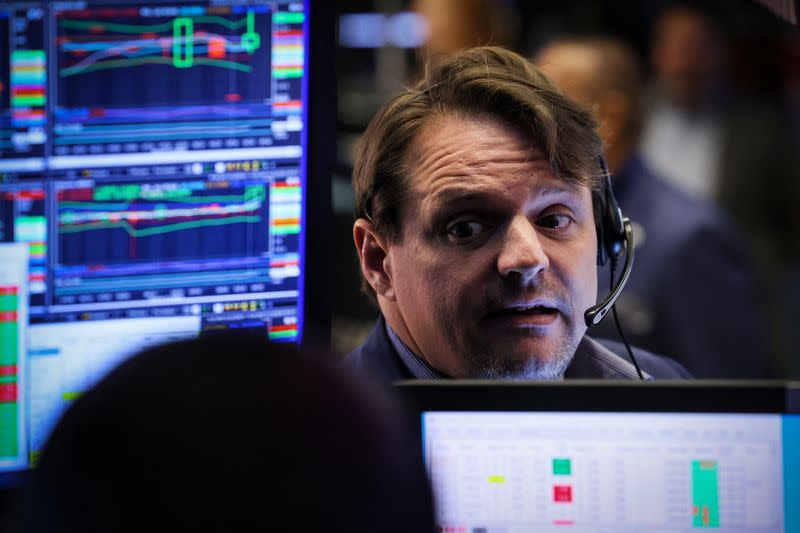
458, 193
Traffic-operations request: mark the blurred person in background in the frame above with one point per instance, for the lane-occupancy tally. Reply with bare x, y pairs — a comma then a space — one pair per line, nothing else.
731, 145
682, 135
455, 25
691, 264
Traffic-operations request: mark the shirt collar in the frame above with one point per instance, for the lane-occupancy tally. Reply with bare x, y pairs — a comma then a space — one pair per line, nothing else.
591, 360
415, 364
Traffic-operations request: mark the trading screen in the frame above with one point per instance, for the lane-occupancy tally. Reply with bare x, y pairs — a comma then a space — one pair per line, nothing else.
152, 159
514, 472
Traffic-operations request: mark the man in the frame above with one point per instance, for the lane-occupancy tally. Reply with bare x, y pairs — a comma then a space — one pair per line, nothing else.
476, 229
691, 266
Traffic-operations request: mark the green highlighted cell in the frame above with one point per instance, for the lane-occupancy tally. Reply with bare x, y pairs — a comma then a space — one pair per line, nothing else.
282, 334
28, 56
705, 494
70, 396
9, 446
33, 457
24, 101
8, 343
284, 230
284, 73
497, 479
288, 18
38, 250
9, 303
562, 467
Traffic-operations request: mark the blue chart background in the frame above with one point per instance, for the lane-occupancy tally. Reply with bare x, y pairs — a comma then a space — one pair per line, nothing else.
164, 83
114, 246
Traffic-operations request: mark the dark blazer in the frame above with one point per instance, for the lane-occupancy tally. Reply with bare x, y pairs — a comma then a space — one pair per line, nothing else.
593, 359
692, 293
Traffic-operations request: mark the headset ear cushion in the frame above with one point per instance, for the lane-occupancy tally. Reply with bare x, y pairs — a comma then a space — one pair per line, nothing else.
610, 228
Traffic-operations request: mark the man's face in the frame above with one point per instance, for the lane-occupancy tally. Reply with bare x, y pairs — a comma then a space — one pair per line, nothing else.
496, 261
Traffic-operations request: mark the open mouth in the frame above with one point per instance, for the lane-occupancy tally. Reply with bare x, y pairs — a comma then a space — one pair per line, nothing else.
529, 311
525, 317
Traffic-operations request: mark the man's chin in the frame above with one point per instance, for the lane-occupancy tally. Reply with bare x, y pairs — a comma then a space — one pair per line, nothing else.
537, 358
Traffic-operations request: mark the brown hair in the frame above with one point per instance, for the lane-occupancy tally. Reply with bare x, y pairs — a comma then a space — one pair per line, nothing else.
482, 81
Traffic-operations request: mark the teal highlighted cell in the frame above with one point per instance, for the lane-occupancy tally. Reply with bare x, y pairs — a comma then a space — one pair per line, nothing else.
705, 494
791, 473
288, 18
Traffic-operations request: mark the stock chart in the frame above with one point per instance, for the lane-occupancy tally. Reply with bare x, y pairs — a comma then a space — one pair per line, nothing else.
152, 185
193, 56
123, 223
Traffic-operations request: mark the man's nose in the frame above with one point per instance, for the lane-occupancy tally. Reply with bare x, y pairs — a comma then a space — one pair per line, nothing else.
522, 253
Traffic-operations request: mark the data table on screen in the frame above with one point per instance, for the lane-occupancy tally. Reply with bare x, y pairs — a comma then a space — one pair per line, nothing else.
515, 472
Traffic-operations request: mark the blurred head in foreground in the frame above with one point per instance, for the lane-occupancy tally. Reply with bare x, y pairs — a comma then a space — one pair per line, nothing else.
230, 434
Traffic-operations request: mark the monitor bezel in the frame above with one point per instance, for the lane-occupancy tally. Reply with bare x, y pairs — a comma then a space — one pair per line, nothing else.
667, 396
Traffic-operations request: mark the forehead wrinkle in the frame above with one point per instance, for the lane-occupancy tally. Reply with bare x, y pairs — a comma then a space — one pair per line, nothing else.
444, 162
455, 188
431, 149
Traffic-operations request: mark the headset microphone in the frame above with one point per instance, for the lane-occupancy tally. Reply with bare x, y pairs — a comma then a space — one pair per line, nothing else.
595, 314
614, 233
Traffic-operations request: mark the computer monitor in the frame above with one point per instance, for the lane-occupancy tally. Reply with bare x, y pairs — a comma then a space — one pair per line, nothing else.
159, 160
610, 456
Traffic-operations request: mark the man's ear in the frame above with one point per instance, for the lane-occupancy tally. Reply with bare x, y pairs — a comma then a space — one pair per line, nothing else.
373, 251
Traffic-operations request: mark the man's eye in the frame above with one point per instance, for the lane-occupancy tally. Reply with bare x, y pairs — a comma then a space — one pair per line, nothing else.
462, 231
554, 221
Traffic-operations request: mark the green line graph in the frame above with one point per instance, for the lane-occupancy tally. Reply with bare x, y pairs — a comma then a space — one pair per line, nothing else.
183, 44
146, 210
166, 228
122, 63
134, 192
155, 28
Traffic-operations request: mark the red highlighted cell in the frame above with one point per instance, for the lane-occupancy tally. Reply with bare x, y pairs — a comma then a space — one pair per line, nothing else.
8, 392
562, 493
283, 327
8, 316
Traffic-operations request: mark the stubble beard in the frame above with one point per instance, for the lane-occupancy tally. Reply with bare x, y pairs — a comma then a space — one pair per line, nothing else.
483, 362
487, 364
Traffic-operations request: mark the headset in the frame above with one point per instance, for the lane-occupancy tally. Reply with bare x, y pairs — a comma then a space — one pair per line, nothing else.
614, 234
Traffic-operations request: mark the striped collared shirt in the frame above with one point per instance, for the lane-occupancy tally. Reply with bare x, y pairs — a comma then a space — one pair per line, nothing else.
591, 360
415, 364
